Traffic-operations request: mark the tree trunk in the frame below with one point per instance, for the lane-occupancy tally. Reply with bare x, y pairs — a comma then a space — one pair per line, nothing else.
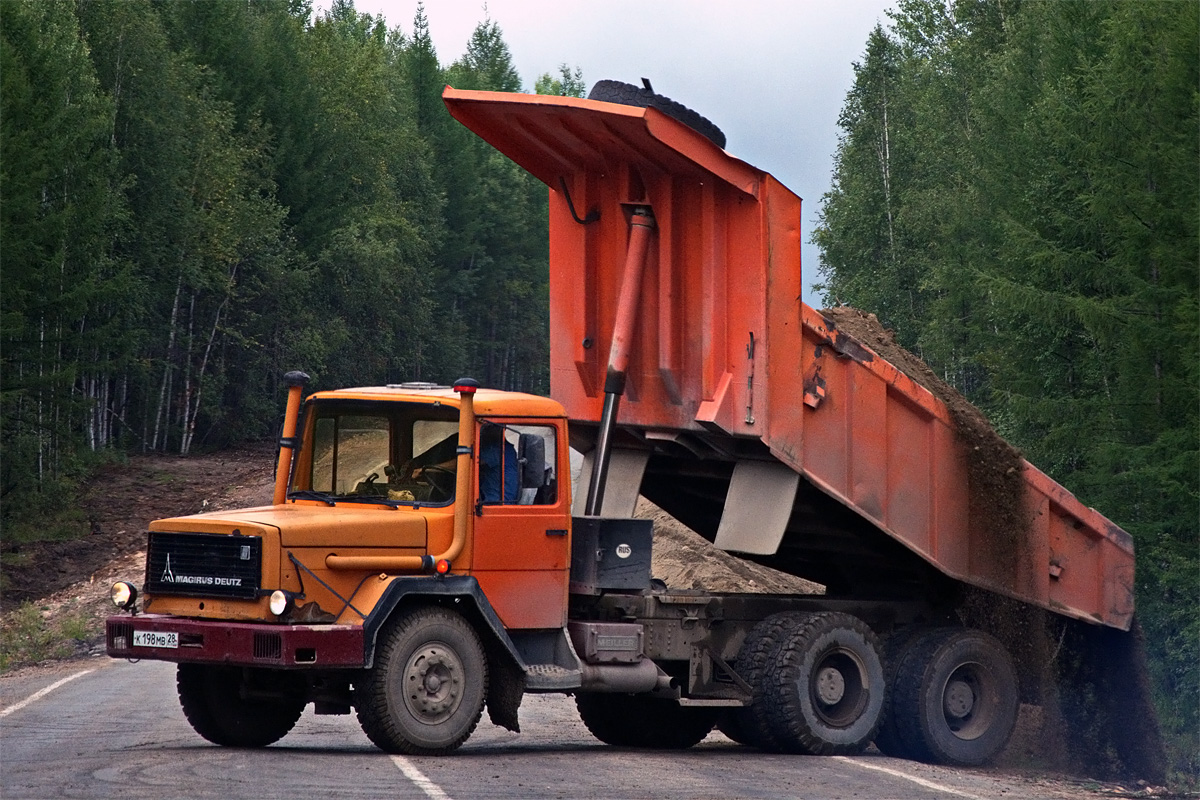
167, 368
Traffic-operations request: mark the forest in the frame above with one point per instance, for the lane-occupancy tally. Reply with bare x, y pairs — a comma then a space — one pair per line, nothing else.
198, 197
1016, 195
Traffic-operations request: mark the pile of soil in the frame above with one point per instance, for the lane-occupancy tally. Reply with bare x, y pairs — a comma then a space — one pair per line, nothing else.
683, 559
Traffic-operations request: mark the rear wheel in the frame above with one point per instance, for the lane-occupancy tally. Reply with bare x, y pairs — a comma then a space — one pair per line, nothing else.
631, 720
215, 703
730, 724
956, 697
750, 725
889, 738
425, 694
825, 686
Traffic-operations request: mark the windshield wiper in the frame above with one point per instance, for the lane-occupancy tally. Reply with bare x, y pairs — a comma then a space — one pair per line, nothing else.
309, 494
375, 498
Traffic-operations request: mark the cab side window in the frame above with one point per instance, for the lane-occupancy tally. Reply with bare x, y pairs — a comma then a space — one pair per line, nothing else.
517, 464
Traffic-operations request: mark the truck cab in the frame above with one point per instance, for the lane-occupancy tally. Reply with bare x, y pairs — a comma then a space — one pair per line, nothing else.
380, 468
389, 499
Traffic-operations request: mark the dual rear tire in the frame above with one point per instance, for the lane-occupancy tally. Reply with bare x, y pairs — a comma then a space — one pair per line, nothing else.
818, 685
954, 698
941, 695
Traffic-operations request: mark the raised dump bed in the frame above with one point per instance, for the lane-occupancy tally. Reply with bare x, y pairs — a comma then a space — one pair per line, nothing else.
747, 414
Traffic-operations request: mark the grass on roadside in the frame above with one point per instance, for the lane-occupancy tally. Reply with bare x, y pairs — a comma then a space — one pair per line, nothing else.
27, 636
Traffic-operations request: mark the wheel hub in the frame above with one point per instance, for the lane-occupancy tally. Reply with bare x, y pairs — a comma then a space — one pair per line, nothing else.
831, 686
959, 699
433, 683
837, 687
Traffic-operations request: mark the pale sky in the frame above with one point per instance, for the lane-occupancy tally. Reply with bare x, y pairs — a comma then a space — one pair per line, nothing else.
772, 74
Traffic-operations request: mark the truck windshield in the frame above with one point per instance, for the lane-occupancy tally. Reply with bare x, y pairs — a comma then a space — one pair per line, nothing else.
378, 452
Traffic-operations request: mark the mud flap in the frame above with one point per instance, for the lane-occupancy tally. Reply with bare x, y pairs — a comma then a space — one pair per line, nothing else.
757, 508
505, 690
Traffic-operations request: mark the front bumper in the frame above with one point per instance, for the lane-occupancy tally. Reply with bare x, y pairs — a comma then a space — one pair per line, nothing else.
237, 643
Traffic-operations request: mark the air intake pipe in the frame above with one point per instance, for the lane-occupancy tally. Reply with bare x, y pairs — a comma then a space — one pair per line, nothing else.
288, 442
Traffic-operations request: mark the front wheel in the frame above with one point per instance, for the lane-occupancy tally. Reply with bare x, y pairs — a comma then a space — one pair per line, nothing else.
215, 702
631, 720
425, 694
955, 698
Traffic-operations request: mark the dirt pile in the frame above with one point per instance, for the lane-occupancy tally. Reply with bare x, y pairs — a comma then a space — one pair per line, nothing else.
685, 560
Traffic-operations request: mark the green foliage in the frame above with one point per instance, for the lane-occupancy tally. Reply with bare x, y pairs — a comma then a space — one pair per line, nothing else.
27, 637
198, 197
566, 84
1017, 193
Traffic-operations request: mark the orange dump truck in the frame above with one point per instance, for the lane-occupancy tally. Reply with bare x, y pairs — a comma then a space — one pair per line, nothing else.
425, 558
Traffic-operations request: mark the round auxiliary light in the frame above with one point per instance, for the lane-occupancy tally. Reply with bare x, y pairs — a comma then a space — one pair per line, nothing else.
124, 595
279, 602
442, 566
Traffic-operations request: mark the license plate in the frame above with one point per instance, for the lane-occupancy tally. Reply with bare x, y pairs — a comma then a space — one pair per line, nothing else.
155, 639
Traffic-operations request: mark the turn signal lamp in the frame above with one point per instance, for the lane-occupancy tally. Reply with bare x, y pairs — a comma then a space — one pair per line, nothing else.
442, 567
124, 595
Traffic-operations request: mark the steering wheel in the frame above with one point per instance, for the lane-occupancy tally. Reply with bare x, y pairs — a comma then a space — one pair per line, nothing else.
441, 479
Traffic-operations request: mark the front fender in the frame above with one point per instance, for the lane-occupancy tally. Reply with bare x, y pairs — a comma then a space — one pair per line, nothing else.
460, 592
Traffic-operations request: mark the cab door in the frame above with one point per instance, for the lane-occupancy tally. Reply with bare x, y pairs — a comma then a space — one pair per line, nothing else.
521, 545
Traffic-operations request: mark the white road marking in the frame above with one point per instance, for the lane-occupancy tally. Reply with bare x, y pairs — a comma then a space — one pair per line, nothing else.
39, 694
937, 787
431, 789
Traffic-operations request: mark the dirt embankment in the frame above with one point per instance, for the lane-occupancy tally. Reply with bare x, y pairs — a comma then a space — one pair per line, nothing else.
121, 500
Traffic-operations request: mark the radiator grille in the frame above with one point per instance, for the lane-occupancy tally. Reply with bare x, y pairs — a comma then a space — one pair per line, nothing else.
203, 565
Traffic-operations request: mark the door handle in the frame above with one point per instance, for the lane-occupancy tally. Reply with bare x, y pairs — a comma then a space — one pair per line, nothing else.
556, 532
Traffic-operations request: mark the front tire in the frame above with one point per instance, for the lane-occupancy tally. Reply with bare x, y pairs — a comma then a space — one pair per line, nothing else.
825, 686
631, 720
213, 702
425, 694
956, 697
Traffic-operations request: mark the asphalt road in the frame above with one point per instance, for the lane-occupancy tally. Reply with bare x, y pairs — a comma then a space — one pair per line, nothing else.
114, 729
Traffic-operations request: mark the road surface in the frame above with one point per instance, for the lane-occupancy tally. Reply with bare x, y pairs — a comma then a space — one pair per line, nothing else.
104, 729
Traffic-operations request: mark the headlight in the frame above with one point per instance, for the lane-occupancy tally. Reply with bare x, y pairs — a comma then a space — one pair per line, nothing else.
279, 602
124, 595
